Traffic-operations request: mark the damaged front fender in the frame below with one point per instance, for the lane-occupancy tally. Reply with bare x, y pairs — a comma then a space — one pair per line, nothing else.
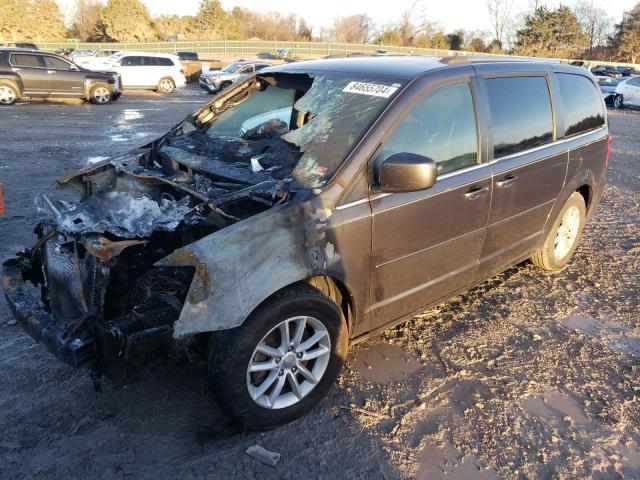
241, 266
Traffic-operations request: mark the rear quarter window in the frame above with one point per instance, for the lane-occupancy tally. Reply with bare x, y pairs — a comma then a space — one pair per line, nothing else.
165, 62
582, 104
521, 115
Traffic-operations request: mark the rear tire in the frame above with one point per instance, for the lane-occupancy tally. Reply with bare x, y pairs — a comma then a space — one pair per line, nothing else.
564, 236
294, 380
617, 101
166, 85
8, 94
100, 94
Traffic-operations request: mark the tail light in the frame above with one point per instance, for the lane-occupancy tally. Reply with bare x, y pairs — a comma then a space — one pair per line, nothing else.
609, 143
182, 71
1, 200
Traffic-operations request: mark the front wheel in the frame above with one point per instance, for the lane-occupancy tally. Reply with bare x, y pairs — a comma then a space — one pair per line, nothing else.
166, 85
564, 237
100, 94
282, 361
617, 101
8, 94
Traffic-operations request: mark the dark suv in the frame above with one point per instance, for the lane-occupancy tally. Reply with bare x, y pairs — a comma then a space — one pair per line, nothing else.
306, 207
31, 73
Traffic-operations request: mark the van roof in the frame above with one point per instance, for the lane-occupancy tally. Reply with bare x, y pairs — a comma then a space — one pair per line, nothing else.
412, 66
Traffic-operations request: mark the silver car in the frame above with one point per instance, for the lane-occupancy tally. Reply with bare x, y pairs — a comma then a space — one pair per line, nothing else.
217, 80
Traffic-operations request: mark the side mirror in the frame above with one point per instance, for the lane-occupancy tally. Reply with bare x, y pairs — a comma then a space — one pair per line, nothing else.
406, 172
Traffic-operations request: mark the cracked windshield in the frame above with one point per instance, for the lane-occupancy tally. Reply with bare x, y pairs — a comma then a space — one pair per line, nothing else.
292, 126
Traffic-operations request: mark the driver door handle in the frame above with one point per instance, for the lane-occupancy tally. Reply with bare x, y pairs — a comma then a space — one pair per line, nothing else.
475, 192
506, 181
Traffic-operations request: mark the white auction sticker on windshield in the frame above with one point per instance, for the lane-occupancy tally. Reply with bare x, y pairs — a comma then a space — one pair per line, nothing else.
372, 89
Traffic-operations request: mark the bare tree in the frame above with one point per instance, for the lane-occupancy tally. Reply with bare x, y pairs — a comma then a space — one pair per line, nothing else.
414, 22
352, 29
85, 18
595, 22
500, 17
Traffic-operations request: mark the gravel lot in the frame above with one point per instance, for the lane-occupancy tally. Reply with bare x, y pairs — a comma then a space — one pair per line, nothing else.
529, 375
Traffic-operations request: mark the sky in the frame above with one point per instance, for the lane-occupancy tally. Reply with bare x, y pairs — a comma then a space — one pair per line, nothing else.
451, 15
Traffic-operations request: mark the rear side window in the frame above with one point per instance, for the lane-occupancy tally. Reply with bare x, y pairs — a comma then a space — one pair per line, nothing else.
634, 82
582, 104
22, 60
521, 115
442, 126
165, 62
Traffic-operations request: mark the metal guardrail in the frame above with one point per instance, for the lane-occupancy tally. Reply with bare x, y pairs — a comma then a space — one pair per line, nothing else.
304, 49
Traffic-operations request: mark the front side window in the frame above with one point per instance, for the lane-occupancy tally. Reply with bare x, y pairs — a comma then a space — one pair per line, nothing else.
131, 61
521, 115
442, 126
582, 104
56, 63
22, 60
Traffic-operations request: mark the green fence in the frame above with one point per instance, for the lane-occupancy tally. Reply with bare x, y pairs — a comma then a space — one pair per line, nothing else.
211, 49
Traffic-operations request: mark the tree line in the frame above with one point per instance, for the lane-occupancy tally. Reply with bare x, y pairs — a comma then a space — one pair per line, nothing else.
582, 30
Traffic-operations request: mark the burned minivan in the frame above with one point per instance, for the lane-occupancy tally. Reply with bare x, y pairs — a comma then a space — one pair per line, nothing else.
304, 208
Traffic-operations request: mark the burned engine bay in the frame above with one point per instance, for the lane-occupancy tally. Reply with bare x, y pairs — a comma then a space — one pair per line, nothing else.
100, 239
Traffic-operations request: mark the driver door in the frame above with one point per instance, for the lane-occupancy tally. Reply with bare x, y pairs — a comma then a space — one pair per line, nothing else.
427, 244
64, 78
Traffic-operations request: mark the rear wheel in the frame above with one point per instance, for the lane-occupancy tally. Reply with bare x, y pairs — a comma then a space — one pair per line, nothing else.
564, 236
8, 94
617, 101
166, 85
100, 94
282, 361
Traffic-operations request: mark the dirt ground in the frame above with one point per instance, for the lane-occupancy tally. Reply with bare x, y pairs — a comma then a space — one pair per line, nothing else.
529, 375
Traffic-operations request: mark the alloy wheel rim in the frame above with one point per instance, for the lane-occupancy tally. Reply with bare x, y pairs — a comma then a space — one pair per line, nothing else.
166, 86
7, 95
101, 95
567, 232
289, 362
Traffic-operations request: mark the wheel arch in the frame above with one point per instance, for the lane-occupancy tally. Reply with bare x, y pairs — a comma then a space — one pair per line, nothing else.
14, 81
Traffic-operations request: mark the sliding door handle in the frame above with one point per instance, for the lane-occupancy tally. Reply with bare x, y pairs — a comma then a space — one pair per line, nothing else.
506, 181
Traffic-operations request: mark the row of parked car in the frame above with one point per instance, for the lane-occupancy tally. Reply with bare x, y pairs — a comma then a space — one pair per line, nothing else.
614, 72
99, 78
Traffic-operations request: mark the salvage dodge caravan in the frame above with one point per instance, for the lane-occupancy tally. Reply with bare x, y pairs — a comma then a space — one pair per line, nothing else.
304, 208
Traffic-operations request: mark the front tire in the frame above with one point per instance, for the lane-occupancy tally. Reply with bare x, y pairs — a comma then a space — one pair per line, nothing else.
100, 94
282, 361
166, 85
564, 236
8, 94
617, 101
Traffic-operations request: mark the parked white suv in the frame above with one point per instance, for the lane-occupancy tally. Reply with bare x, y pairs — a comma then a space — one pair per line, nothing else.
162, 72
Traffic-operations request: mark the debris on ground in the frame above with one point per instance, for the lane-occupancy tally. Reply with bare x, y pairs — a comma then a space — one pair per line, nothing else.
263, 455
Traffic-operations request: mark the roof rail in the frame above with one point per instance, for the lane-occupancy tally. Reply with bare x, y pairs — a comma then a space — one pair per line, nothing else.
467, 59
